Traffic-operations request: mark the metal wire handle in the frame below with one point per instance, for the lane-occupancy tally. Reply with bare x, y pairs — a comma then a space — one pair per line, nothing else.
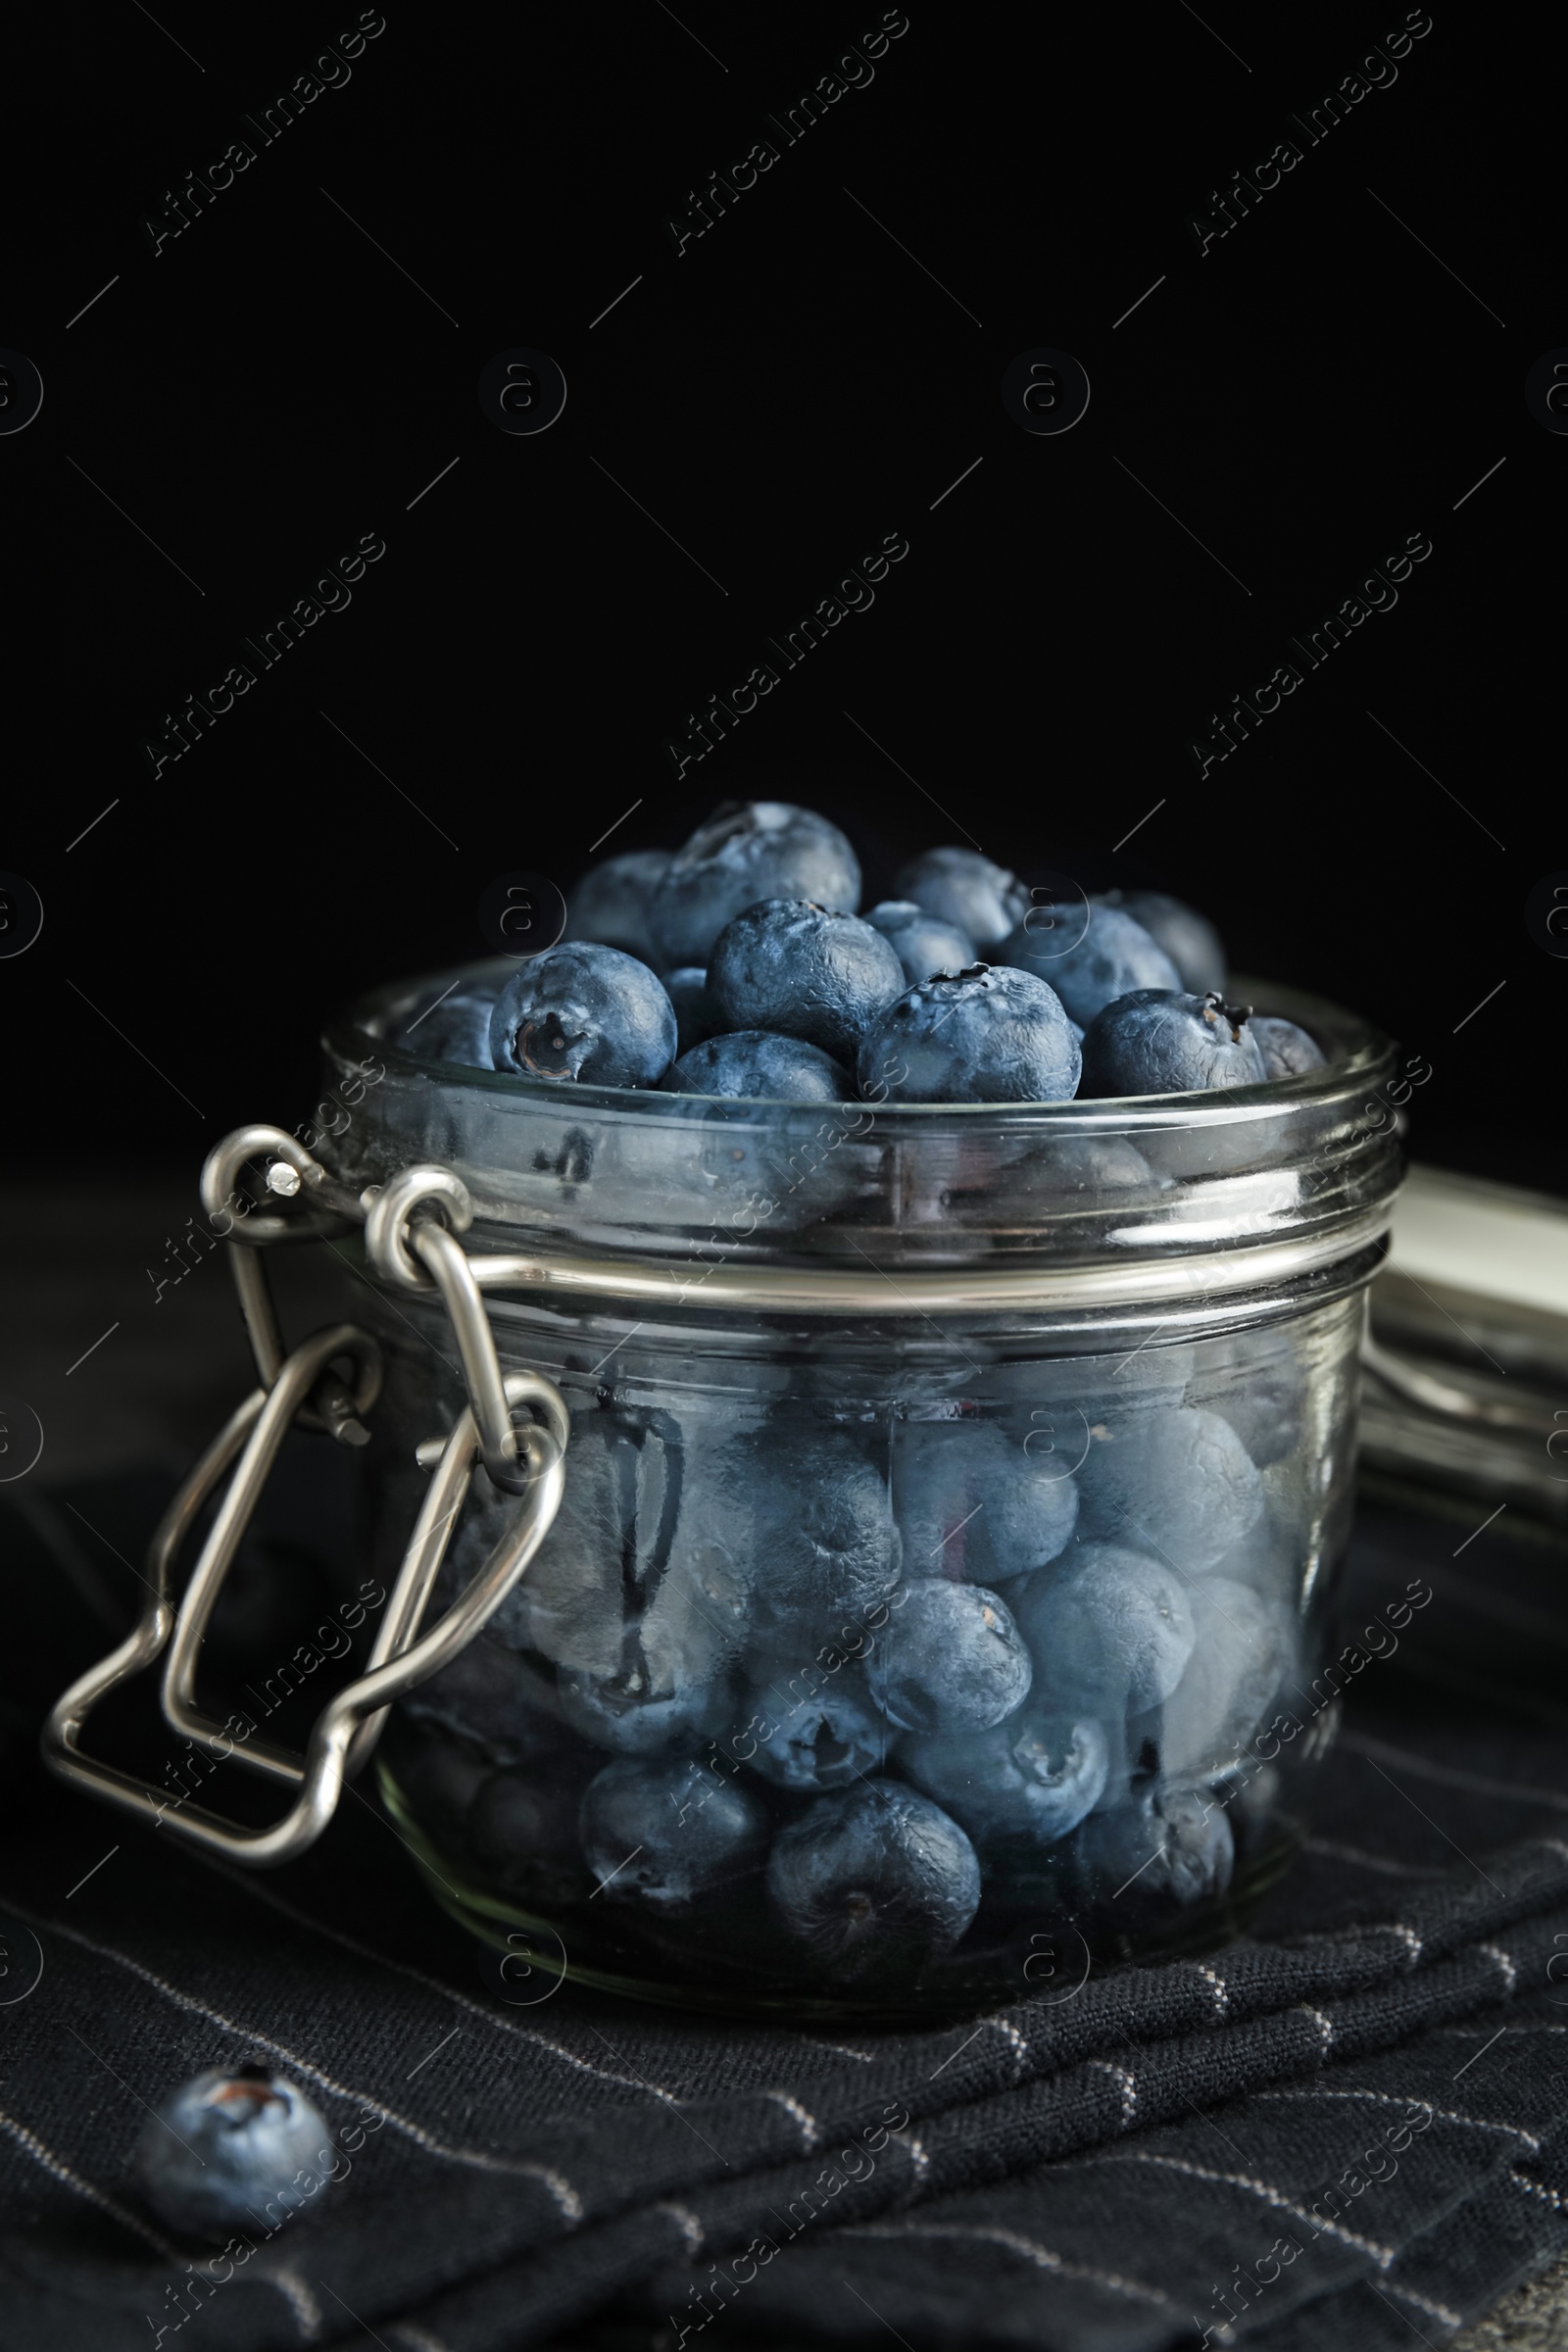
528, 1464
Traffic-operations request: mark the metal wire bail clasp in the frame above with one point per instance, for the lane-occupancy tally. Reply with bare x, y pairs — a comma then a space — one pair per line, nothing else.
392, 1229
348, 1726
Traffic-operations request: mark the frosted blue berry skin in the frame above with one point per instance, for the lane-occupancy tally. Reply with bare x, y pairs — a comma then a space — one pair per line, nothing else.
608, 903
581, 1011
1111, 957
215, 2153
950, 1659
1034, 1777
1165, 1847
664, 1832
803, 971
757, 1063
687, 990
1112, 1631
1187, 938
984, 900
923, 943
1159, 1041
827, 1739
458, 1029
747, 850
973, 1504
874, 1882
985, 1035
1178, 1478
1288, 1051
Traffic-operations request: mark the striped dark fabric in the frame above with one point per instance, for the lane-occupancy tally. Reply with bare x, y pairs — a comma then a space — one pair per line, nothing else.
1350, 2128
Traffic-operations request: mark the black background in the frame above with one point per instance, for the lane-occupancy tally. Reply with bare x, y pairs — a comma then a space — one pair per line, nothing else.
787, 391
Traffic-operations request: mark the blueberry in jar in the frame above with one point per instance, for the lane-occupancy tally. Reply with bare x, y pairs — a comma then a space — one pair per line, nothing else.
1176, 1479
973, 1504
1246, 1647
581, 1012
874, 1883
1109, 958
1033, 1778
1187, 938
608, 903
226, 2145
1169, 1847
980, 899
811, 1513
812, 1741
982, 1035
1110, 1631
454, 1029
803, 971
1159, 1041
761, 1066
923, 942
747, 851
664, 1832
635, 1712
1287, 1050
687, 990
950, 1658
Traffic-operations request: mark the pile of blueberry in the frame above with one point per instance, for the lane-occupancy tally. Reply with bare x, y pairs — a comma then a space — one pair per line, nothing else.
740, 967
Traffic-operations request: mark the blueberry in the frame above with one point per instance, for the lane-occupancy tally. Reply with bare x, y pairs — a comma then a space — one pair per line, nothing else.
665, 1832
624, 1713
490, 1698
747, 851
586, 1012
1158, 1041
1187, 938
523, 1826
1170, 1848
811, 1743
1034, 1777
803, 971
760, 1065
1288, 1051
608, 903
982, 1036
1111, 1630
606, 1541
981, 899
1246, 1647
456, 1029
1260, 1388
923, 942
810, 1512
950, 1658
216, 2153
687, 990
874, 1882
972, 1503
1111, 957
1177, 1481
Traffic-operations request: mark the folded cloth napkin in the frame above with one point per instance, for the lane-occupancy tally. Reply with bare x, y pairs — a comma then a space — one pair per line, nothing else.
1349, 2129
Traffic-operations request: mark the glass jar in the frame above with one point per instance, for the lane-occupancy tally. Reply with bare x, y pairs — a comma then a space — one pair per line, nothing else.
953, 1507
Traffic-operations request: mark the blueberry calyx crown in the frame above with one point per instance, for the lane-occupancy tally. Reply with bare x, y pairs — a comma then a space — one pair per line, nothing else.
1216, 1009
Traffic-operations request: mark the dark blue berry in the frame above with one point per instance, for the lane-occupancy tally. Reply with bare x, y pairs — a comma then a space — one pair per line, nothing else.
1111, 1630
760, 1065
1187, 938
1245, 1648
456, 1029
981, 899
1288, 1051
974, 1504
523, 1826
874, 1883
803, 971
665, 1832
1169, 1847
581, 1012
490, 1698
811, 1513
923, 942
983, 1036
950, 1658
608, 903
687, 990
1176, 1481
1158, 1040
747, 851
219, 2151
1108, 958
812, 1741
626, 1714
1033, 1777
